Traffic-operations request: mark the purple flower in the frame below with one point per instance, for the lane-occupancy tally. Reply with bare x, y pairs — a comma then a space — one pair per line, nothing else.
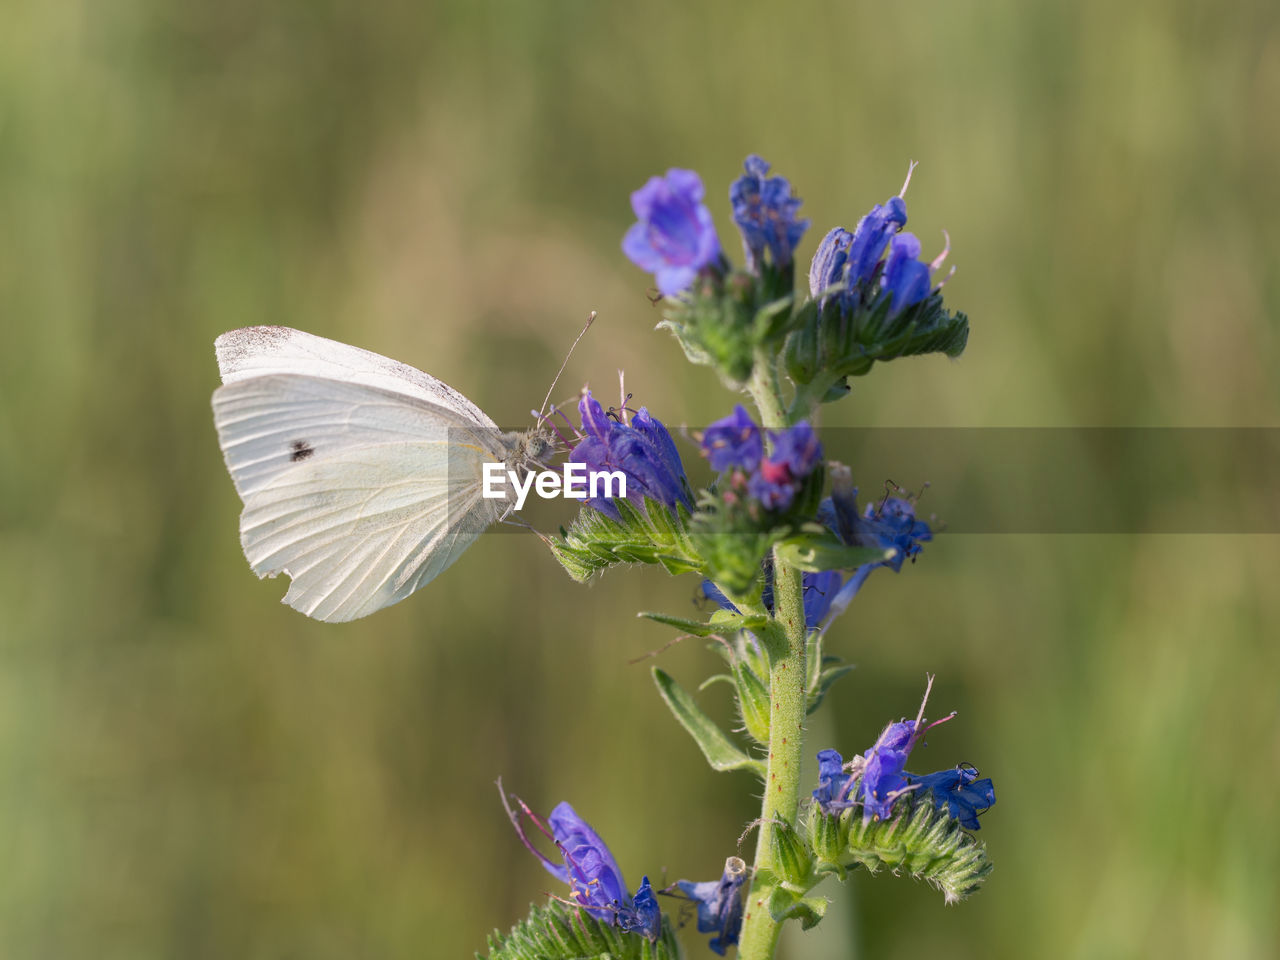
879, 777
826, 269
906, 279
820, 591
765, 212
720, 903
835, 787
888, 525
734, 441
796, 451
594, 878
959, 792
852, 260
645, 916
675, 237
882, 776
872, 233
642, 451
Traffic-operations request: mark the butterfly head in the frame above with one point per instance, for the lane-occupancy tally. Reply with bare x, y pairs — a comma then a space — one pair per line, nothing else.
535, 446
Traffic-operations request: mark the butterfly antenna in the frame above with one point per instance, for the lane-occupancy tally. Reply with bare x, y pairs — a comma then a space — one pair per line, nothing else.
585, 327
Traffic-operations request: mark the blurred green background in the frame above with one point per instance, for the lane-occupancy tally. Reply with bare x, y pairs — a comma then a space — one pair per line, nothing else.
190, 769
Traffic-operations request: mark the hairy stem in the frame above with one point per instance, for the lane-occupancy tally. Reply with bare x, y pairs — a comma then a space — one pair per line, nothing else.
785, 642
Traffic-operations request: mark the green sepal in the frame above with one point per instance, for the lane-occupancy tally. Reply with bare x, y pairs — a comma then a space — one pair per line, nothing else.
792, 859
713, 323
726, 319
835, 344
919, 840
650, 534
721, 752
557, 931
732, 557
726, 621
828, 836
774, 319
815, 552
753, 701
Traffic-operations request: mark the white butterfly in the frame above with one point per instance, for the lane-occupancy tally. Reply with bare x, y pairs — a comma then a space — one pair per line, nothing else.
360, 476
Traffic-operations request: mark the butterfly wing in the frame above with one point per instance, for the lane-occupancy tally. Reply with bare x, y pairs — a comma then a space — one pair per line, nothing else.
361, 487
262, 351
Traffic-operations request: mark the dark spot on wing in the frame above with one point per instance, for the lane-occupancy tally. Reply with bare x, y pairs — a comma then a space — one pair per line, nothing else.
301, 450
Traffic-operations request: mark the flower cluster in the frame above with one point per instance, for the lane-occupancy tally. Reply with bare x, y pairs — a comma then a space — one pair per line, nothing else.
890, 526
879, 777
846, 265
594, 878
639, 446
751, 537
736, 443
675, 239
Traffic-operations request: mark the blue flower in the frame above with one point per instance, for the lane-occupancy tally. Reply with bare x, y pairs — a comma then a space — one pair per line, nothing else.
870, 236
734, 441
675, 237
594, 878
882, 774
835, 787
879, 777
826, 269
720, 903
821, 590
959, 792
890, 525
765, 212
796, 452
906, 279
642, 450
851, 261
645, 916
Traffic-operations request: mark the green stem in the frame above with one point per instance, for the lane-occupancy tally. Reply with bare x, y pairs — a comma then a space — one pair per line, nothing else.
786, 645
765, 392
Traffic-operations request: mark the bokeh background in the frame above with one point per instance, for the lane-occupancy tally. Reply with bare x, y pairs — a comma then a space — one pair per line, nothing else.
190, 769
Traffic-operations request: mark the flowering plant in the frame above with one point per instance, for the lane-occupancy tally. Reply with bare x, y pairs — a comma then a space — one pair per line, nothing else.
781, 548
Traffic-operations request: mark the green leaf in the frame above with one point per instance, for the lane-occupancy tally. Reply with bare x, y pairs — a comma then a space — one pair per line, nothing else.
721, 752
785, 904
695, 627
814, 553
730, 622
